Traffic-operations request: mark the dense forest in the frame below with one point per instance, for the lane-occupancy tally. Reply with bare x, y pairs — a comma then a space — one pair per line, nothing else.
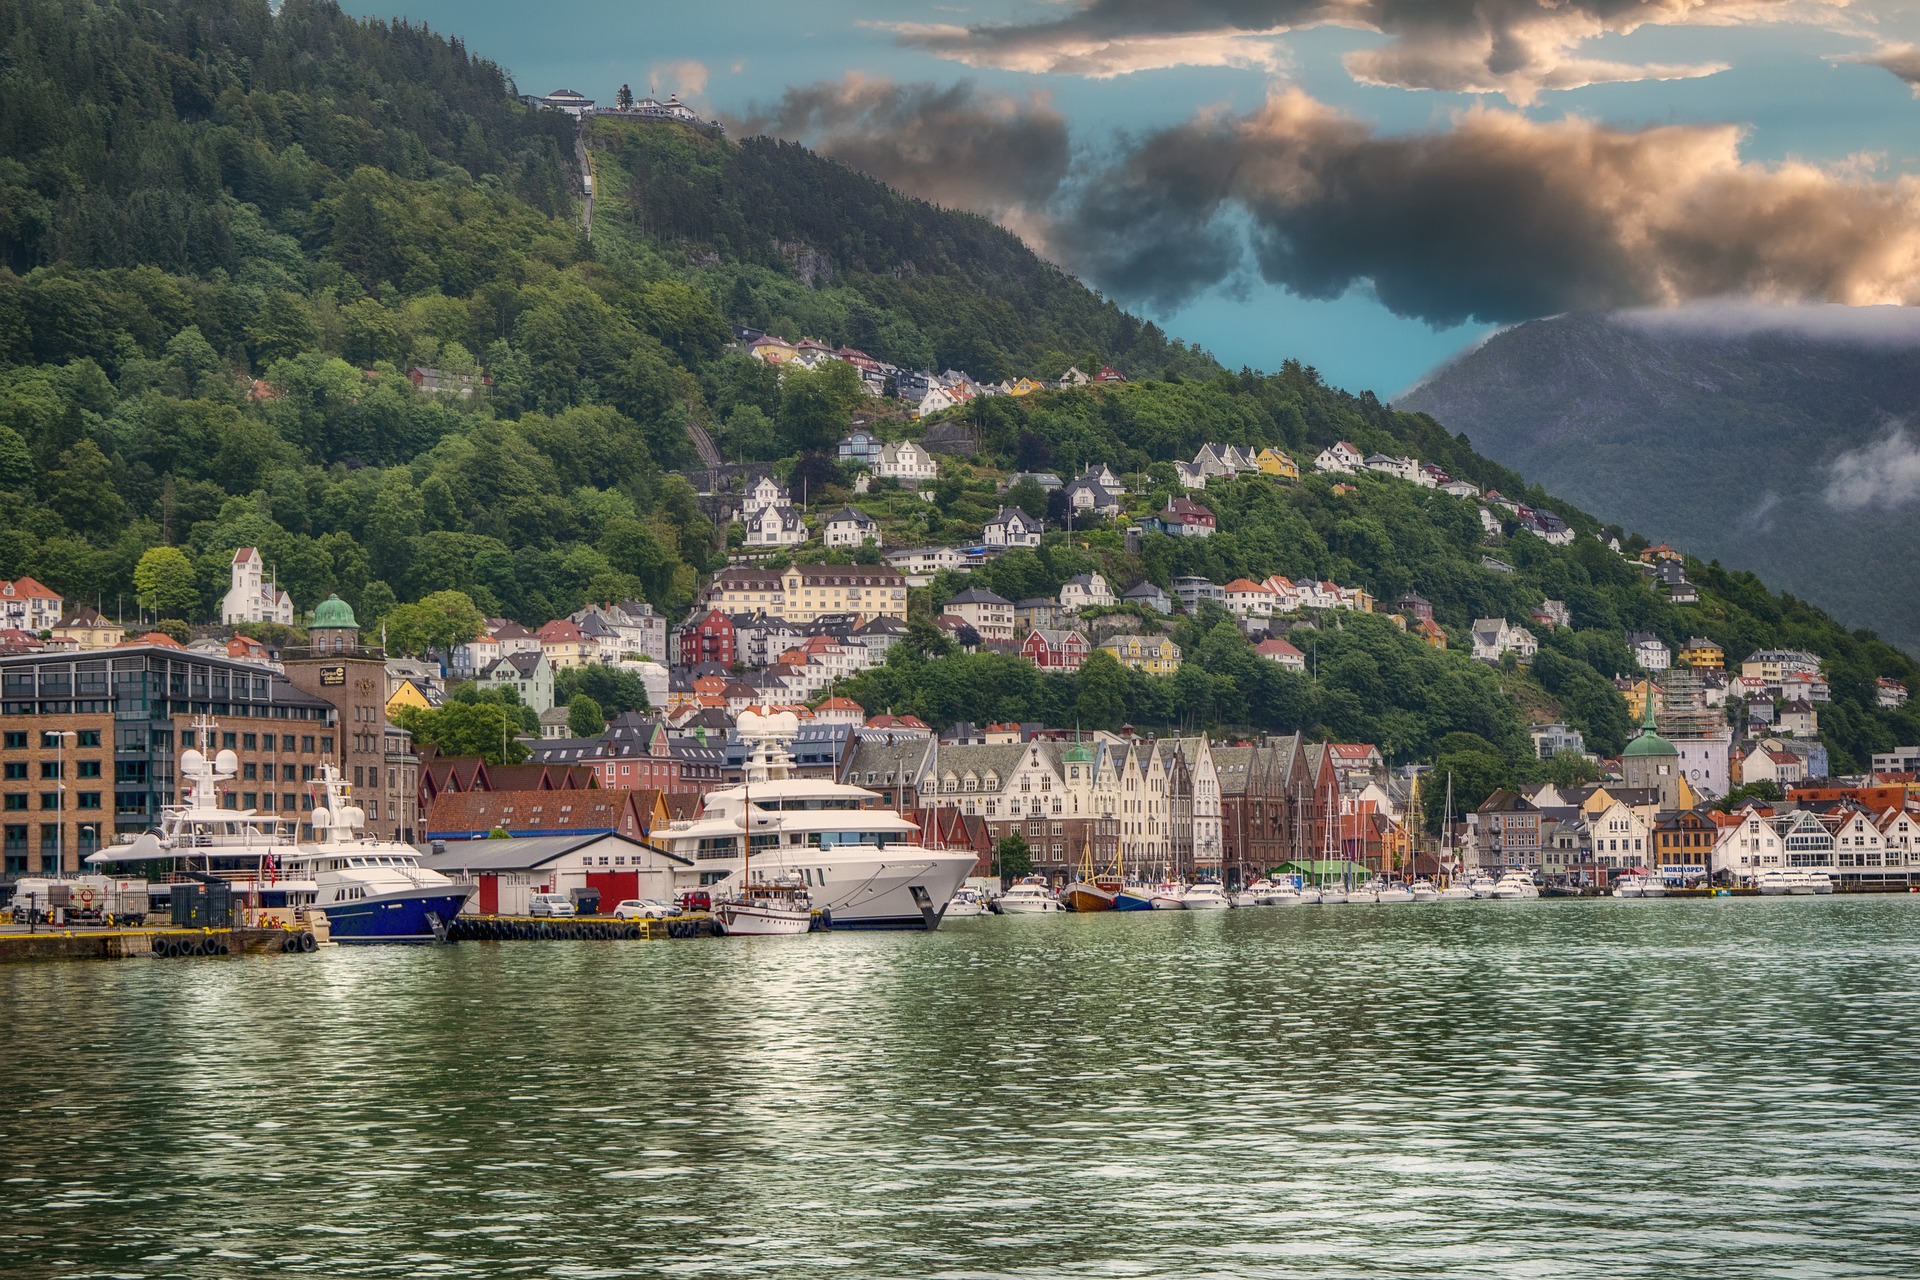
226, 236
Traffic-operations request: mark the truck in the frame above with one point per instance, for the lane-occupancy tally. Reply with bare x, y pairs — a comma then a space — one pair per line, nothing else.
79, 900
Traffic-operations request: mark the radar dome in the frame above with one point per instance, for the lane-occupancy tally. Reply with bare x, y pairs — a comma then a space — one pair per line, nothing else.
227, 762
191, 761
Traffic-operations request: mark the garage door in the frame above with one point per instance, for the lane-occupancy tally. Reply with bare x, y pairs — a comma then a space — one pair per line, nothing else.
614, 887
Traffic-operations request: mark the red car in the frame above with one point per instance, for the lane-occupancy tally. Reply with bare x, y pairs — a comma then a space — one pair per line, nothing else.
696, 900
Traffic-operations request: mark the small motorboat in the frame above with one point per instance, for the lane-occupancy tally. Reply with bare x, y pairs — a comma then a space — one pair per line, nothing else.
1392, 891
1821, 881
1424, 890
1456, 891
1481, 885
1515, 885
1170, 896
1363, 893
1205, 895
1334, 896
1774, 883
966, 901
1028, 898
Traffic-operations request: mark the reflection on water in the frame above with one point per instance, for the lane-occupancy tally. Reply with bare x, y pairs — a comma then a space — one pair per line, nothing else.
1695, 1089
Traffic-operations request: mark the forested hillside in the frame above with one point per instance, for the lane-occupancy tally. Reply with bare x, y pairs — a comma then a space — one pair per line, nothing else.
228, 235
1773, 441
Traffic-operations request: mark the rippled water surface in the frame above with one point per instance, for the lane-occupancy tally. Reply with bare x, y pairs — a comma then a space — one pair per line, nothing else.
1696, 1089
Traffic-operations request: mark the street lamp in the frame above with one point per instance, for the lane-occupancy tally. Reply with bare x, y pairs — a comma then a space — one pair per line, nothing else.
60, 802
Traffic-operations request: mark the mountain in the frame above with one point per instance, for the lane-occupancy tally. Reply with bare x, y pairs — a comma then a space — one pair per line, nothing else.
1766, 439
232, 240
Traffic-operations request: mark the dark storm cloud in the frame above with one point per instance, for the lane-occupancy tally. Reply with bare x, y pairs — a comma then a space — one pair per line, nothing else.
1499, 218
954, 146
1513, 47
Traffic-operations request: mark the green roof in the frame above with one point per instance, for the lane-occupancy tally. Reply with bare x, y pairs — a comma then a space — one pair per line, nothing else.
334, 612
1649, 743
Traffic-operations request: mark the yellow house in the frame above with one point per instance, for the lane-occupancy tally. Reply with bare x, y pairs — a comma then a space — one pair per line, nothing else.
84, 628
1636, 696
1704, 655
1272, 462
565, 646
809, 590
408, 694
1025, 386
1154, 655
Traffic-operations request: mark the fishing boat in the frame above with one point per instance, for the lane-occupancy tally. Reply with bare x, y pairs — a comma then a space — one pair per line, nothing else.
1028, 898
1205, 895
369, 890
1134, 897
1091, 892
765, 908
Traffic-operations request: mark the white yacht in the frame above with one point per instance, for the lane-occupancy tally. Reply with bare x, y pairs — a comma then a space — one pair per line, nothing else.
1820, 880
1481, 885
1774, 883
1205, 895
370, 890
1424, 890
1515, 884
966, 901
1028, 898
1332, 895
762, 908
1391, 891
1169, 895
862, 866
1455, 891
1639, 886
1363, 893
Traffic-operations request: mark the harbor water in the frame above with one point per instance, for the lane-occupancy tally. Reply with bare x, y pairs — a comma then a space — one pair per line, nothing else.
1725, 1088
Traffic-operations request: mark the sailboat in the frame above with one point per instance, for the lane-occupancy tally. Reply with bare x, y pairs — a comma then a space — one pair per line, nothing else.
765, 908
1456, 888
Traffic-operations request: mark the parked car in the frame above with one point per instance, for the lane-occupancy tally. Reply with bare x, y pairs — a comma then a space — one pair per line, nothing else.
553, 905
696, 900
644, 909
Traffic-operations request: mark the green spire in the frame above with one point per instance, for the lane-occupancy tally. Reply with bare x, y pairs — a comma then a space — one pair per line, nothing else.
1650, 743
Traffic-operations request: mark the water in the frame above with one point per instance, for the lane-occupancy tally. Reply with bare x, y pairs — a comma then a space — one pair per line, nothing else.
1696, 1089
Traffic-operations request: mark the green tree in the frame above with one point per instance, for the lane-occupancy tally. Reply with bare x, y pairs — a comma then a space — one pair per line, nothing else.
174, 629
163, 581
438, 622
466, 728
1012, 859
1572, 769
585, 719
1102, 703
614, 689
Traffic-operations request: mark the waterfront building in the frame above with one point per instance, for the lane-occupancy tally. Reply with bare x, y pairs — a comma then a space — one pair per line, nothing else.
129, 712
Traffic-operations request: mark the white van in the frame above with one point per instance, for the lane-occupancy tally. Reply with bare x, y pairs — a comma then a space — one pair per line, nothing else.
555, 906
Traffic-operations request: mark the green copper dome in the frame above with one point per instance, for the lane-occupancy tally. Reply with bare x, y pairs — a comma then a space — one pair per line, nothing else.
334, 612
1649, 743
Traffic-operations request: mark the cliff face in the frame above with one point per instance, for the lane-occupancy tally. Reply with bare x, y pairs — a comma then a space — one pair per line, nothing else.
1771, 441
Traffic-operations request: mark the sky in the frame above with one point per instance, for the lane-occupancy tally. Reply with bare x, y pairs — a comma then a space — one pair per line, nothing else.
1367, 186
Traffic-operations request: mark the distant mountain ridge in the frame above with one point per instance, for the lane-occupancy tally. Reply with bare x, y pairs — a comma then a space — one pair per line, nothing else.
1768, 439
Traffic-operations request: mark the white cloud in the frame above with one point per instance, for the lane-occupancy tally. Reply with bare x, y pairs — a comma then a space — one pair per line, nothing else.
1885, 473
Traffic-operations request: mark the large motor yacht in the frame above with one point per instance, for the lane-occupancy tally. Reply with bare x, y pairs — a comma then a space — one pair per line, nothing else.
371, 890
862, 866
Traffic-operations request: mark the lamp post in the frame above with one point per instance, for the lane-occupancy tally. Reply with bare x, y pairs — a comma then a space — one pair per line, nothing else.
60, 801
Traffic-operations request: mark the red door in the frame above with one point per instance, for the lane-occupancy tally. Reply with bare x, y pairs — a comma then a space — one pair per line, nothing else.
489, 895
615, 887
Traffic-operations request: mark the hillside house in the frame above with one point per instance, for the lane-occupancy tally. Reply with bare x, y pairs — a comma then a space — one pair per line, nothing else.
1085, 591
1150, 655
775, 526
1051, 649
1494, 638
907, 463
1649, 651
1340, 457
251, 597
1011, 527
1280, 651
989, 614
850, 527
1146, 594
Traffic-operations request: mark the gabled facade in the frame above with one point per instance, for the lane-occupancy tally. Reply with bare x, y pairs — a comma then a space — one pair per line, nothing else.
1011, 527
906, 462
775, 526
1151, 655
850, 527
251, 597
1340, 457
1085, 591
1055, 650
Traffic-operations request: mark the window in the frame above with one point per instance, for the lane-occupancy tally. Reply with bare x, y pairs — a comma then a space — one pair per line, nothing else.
326, 744
49, 799
306, 743
250, 742
89, 799
89, 768
16, 740
87, 738
229, 741
17, 802
16, 770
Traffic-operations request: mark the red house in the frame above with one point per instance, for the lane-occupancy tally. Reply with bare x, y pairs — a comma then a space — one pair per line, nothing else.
712, 639
1052, 650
